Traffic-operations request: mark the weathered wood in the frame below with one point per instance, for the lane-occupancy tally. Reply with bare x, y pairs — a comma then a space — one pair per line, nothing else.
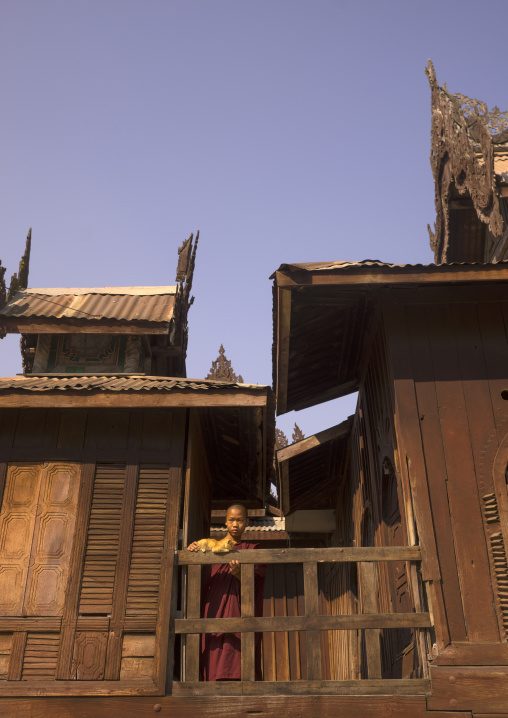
310, 582
368, 582
283, 334
303, 623
467, 525
49, 688
126, 399
430, 427
17, 656
326, 706
164, 641
248, 669
312, 441
478, 688
372, 276
33, 624
143, 645
311, 688
473, 654
70, 610
193, 607
300, 555
114, 650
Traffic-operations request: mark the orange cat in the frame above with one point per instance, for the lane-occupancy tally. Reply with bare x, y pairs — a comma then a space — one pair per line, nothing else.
223, 546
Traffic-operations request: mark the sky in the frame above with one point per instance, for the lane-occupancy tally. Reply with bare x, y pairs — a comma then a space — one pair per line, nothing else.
284, 130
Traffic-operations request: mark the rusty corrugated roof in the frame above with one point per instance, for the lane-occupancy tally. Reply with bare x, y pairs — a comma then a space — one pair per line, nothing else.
141, 304
115, 383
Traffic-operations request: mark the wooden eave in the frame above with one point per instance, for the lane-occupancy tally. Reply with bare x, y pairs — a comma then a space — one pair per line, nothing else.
309, 470
321, 352
131, 399
30, 325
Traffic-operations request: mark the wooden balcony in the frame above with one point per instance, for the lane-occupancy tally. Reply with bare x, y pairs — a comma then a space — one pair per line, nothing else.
312, 623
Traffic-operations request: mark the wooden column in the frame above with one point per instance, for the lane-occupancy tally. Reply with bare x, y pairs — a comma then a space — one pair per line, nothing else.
193, 611
369, 603
248, 639
310, 582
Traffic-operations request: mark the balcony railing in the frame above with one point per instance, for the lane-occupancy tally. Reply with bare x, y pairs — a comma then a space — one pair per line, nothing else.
312, 623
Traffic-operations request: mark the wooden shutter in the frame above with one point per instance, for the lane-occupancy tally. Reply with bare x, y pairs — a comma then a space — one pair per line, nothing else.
148, 541
103, 540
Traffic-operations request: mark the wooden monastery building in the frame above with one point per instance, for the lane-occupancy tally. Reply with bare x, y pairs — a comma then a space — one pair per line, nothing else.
387, 581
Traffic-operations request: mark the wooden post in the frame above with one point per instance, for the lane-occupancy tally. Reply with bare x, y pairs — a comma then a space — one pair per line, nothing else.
248, 639
310, 582
369, 605
193, 611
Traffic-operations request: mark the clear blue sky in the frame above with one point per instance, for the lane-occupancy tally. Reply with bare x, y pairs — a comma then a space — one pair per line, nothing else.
286, 131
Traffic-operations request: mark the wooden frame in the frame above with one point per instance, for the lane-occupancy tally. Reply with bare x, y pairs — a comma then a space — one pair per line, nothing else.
312, 622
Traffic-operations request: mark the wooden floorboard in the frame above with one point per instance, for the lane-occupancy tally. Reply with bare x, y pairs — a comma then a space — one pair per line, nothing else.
310, 688
242, 707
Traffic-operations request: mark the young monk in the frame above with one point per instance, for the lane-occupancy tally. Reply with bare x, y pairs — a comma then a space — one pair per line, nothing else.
220, 598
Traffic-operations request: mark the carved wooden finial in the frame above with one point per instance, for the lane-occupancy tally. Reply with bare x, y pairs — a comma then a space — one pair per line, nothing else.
222, 370
20, 280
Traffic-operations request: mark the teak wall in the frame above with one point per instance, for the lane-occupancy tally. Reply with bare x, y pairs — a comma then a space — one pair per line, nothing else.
448, 354
88, 529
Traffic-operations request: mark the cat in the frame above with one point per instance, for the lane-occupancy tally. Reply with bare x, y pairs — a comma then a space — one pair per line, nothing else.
223, 546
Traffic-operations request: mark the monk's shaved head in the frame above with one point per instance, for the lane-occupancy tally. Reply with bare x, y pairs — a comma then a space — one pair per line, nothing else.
238, 507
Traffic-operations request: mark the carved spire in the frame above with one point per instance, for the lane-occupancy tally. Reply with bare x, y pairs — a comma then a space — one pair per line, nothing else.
20, 280
222, 370
462, 160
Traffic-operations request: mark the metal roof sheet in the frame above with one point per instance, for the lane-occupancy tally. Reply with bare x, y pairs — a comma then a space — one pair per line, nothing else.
267, 524
340, 265
146, 304
115, 383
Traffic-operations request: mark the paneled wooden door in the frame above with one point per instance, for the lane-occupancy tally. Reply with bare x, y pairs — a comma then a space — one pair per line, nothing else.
36, 530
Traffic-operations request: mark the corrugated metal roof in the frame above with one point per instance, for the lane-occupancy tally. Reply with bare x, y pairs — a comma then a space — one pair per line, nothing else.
142, 304
115, 383
339, 265
267, 524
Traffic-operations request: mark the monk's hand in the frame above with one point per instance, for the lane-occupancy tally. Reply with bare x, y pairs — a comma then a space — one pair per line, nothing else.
194, 546
235, 569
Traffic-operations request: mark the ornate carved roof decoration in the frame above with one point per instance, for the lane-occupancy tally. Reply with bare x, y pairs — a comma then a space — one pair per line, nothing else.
18, 281
184, 277
222, 370
463, 133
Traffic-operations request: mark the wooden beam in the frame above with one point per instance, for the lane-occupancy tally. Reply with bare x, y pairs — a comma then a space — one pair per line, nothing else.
405, 700
151, 399
378, 687
17, 326
473, 654
247, 638
303, 623
299, 555
33, 624
368, 582
477, 688
312, 637
283, 333
335, 432
379, 276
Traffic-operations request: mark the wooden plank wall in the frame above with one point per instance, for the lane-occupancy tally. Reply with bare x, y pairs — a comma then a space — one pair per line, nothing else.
88, 528
374, 509
449, 357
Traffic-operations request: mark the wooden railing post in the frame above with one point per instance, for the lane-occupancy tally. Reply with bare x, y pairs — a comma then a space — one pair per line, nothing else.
369, 603
248, 639
310, 586
193, 611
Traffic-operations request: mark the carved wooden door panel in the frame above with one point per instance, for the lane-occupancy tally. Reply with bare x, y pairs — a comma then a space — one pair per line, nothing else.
17, 523
52, 540
36, 529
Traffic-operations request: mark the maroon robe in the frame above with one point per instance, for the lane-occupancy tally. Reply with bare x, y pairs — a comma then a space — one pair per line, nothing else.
220, 598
